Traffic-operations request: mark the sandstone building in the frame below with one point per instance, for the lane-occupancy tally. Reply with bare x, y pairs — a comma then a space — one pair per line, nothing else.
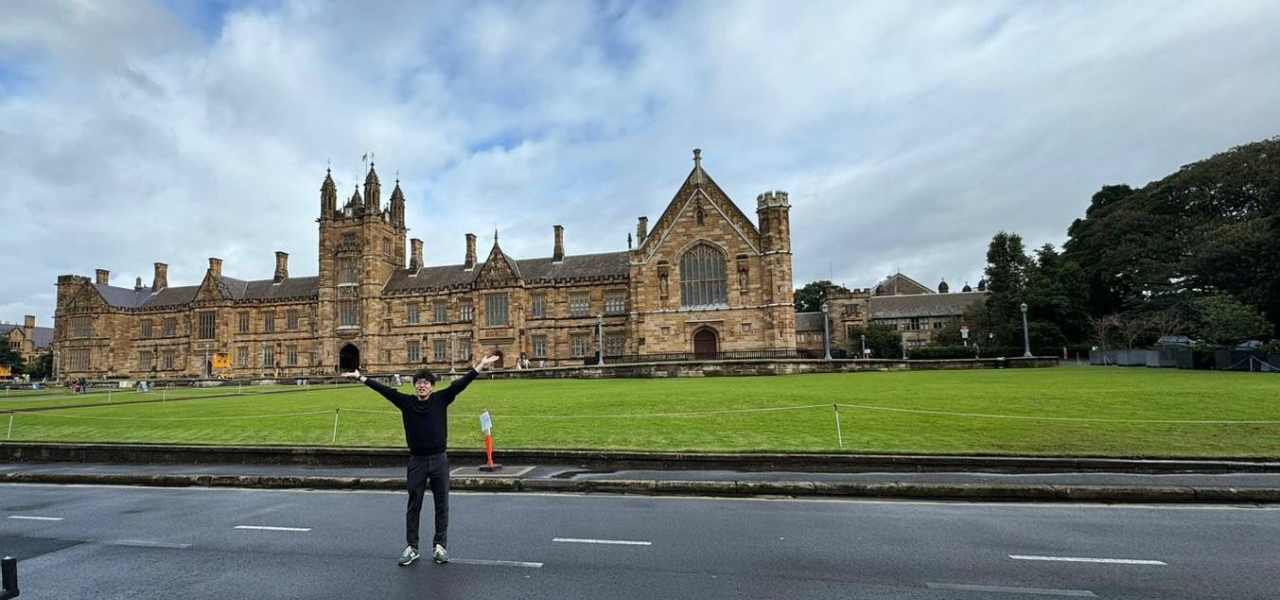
704, 281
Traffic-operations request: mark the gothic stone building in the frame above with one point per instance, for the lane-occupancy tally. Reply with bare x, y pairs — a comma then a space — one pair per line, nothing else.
704, 281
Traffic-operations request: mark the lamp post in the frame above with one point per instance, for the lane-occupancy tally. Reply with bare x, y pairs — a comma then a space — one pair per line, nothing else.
904, 345
864, 344
1026, 338
600, 337
262, 369
207, 367
453, 338
826, 331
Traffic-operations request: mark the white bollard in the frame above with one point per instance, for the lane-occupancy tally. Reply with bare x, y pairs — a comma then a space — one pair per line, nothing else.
10, 434
335, 425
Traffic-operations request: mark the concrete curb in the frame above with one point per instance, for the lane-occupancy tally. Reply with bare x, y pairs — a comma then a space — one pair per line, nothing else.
613, 461
799, 489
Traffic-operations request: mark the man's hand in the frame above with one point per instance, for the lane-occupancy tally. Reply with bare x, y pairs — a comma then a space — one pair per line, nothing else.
353, 375
486, 362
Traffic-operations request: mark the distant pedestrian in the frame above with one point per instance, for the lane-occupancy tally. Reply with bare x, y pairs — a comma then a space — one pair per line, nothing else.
426, 420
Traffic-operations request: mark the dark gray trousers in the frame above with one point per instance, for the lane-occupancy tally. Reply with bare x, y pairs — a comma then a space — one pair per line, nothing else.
435, 470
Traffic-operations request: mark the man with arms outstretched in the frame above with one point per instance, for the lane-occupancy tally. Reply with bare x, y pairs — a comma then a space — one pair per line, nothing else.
426, 430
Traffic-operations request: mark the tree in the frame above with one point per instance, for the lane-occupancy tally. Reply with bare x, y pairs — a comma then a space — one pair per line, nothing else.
1226, 320
1057, 299
1102, 328
810, 297
10, 357
1008, 273
41, 367
884, 341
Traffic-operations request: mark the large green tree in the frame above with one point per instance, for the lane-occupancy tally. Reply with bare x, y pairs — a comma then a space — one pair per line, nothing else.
1008, 274
1226, 320
809, 298
10, 357
883, 341
1212, 227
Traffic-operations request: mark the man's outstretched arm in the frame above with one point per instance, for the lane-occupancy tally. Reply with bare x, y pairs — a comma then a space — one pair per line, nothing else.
390, 394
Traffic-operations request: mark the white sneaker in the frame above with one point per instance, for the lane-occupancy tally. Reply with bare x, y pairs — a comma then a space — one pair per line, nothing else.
440, 554
409, 555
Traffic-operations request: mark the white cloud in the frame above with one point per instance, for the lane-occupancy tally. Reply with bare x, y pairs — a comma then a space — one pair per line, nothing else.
906, 133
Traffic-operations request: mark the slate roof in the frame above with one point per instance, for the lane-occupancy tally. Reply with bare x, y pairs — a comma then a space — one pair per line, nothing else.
809, 321
922, 305
236, 289
899, 284
43, 337
533, 270
5, 328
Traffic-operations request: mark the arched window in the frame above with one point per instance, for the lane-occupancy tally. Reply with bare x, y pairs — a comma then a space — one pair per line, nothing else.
699, 216
702, 277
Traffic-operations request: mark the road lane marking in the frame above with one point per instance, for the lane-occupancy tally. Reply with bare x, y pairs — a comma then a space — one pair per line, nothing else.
1011, 590
26, 518
268, 528
498, 563
591, 541
144, 544
1115, 561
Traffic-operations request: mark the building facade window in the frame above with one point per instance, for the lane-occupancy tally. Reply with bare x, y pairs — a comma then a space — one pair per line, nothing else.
580, 345
539, 346
348, 274
414, 318
615, 302
440, 312
269, 322
170, 327
413, 351
348, 314
466, 312
613, 344
268, 356
244, 322
464, 350
242, 356
82, 327
208, 325
291, 355
580, 304
539, 306
145, 360
440, 350
168, 359
702, 277
495, 306
291, 320
146, 330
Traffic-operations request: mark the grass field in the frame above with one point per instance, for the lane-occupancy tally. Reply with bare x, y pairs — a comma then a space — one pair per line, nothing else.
1077, 411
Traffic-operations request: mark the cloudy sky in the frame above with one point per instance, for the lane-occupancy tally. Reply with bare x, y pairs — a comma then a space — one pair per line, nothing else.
907, 133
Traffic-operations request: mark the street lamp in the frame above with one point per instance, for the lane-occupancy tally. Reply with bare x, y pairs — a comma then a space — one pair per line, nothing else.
826, 331
453, 338
1026, 338
904, 345
600, 337
864, 344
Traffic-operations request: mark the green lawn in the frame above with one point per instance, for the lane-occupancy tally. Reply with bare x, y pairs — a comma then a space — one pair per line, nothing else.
1079, 411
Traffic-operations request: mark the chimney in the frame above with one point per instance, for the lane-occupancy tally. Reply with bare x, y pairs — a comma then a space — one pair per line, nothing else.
161, 279
471, 252
29, 322
215, 266
415, 257
558, 254
137, 284
104, 277
642, 230
282, 266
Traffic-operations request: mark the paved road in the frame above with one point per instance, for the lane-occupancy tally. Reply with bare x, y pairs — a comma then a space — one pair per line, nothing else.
105, 542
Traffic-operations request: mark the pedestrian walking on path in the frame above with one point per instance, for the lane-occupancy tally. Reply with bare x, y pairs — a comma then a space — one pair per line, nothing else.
426, 431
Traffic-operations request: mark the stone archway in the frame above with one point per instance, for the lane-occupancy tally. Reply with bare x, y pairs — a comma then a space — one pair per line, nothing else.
706, 344
348, 358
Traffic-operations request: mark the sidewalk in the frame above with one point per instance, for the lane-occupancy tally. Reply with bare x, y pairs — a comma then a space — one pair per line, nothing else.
1080, 486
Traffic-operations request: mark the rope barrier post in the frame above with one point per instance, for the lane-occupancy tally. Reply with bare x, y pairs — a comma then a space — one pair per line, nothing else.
108, 396
839, 435
164, 393
335, 425
9, 435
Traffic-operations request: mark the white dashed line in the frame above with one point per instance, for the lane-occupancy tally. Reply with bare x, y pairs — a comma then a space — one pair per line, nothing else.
614, 542
1113, 561
498, 563
26, 518
1011, 590
266, 528
145, 544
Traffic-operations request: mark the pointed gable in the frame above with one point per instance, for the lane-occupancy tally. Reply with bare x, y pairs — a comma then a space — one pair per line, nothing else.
499, 270
699, 192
